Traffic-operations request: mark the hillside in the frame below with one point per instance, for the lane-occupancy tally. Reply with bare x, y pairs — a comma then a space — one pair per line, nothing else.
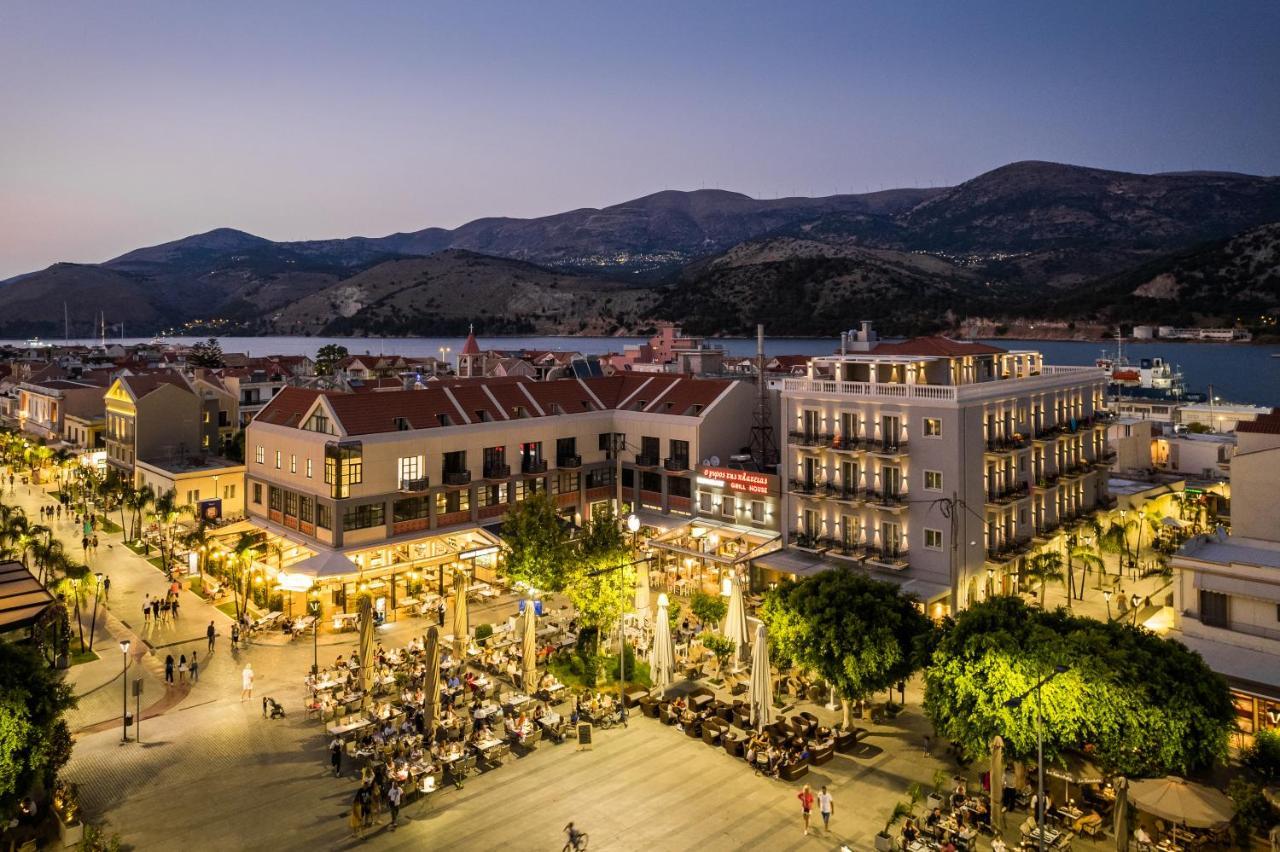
34, 306
804, 287
448, 291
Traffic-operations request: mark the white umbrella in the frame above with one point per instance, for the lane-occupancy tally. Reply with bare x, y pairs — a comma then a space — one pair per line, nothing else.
662, 657
529, 649
997, 781
1181, 801
735, 624
760, 692
461, 625
364, 607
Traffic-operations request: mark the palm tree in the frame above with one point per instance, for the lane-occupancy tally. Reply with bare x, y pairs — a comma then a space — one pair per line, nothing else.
1115, 539
75, 588
239, 566
140, 500
1043, 567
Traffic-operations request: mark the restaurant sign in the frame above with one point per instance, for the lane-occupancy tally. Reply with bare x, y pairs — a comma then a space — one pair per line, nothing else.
734, 479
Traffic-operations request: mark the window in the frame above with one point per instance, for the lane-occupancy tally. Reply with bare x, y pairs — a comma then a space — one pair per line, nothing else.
491, 495
293, 463
228, 492
204, 441
222, 419
343, 467
318, 423
324, 519
411, 509
275, 501
678, 486
932, 427
566, 448
565, 482
933, 539
410, 468
1215, 609
259, 454
257, 493
308, 468
526, 488
728, 506
600, 477
680, 452
279, 459
933, 480
757, 511
453, 501
704, 502
290, 504
193, 497
455, 462
607, 443
363, 517
306, 509
649, 447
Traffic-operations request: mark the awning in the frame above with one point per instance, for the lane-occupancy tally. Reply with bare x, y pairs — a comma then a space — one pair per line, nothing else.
326, 563
1237, 586
23, 599
797, 563
1248, 670
925, 590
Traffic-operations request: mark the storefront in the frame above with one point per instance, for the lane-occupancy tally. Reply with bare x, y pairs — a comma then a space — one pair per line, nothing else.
740, 497
702, 554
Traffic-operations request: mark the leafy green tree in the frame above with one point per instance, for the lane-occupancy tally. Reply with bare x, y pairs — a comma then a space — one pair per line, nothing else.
34, 739
1263, 755
328, 357
601, 580
1043, 567
860, 634
709, 609
207, 354
1142, 705
538, 551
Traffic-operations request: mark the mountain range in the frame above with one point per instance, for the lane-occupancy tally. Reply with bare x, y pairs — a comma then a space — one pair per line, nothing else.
1030, 239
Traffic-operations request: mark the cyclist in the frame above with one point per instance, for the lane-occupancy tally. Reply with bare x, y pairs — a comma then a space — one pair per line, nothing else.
577, 839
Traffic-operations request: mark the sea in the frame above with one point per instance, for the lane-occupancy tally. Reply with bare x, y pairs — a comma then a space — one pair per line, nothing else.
1235, 372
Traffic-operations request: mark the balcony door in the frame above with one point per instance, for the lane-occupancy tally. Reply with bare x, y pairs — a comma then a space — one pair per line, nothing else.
890, 538
891, 430
891, 480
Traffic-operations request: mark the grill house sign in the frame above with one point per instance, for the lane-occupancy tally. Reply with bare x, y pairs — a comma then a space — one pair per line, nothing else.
736, 480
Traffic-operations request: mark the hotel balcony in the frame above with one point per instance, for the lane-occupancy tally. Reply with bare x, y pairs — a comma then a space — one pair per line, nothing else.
893, 558
676, 465
892, 500
1007, 494
1046, 481
807, 487
497, 471
1077, 470
571, 462
1046, 531
844, 493
886, 448
533, 466
1008, 551
646, 460
810, 439
841, 444
999, 446
415, 486
457, 477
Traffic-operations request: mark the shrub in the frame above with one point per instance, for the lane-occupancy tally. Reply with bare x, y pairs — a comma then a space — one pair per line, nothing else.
483, 632
1263, 757
709, 609
1254, 813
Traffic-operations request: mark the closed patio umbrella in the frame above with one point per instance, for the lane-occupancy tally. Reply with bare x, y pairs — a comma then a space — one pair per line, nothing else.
461, 626
529, 649
662, 657
1121, 825
364, 607
735, 624
642, 590
431, 683
760, 691
997, 782
1181, 801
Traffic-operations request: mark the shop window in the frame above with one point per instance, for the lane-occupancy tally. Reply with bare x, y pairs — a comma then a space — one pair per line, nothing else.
410, 509
728, 506
678, 486
363, 517
453, 501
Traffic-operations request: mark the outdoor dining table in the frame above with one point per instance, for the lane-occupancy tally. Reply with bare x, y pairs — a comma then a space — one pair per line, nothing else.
345, 620
515, 699
550, 721
487, 745
339, 729
267, 620
485, 711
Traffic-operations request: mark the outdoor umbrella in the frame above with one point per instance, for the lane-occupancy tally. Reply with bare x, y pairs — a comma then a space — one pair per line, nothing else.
1181, 801
997, 781
529, 649
662, 657
431, 683
461, 627
1121, 825
735, 624
760, 693
365, 609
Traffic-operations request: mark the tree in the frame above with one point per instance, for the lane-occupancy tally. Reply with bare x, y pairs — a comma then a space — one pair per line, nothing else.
207, 354
328, 357
1043, 567
860, 634
1139, 704
601, 580
34, 739
538, 548
709, 609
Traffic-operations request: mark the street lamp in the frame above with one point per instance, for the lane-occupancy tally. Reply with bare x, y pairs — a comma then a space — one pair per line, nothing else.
1016, 702
1134, 600
1106, 596
124, 693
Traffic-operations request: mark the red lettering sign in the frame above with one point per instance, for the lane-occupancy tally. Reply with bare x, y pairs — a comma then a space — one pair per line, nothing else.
738, 480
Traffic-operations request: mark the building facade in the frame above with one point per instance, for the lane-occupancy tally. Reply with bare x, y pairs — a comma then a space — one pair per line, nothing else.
939, 460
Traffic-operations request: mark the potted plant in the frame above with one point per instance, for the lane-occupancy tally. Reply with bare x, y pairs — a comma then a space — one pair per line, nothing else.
884, 841
719, 646
66, 807
483, 632
940, 781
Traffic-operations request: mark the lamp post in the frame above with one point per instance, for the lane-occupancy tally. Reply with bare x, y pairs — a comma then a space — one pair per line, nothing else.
1106, 596
633, 524
444, 359
1016, 702
124, 693
1134, 600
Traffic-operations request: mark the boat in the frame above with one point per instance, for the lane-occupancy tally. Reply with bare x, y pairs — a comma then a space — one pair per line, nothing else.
1150, 378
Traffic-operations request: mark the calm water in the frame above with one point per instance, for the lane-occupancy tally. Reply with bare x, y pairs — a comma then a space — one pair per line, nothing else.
1237, 373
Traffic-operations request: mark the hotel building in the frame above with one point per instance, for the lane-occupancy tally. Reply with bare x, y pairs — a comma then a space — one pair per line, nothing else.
939, 463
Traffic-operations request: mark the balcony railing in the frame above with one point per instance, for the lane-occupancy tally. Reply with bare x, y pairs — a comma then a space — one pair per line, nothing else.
801, 538
804, 486
1048, 480
892, 499
675, 465
533, 466
809, 439
414, 486
893, 557
568, 461
644, 460
848, 444
457, 477
1007, 445
1077, 469
1008, 494
1048, 530
886, 448
844, 492
497, 471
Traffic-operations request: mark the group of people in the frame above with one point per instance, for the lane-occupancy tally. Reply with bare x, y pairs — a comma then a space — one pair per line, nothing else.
161, 611
182, 668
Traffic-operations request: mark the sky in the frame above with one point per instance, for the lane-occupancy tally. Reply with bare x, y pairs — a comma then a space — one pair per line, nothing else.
129, 124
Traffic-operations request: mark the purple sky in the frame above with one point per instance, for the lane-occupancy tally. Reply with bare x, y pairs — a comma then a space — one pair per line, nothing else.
127, 124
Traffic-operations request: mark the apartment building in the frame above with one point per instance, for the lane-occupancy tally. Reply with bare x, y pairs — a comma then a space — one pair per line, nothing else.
61, 410
1227, 587
166, 416
939, 461
253, 387
351, 471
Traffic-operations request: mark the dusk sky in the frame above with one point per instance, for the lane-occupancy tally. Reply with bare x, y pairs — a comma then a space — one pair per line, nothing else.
128, 124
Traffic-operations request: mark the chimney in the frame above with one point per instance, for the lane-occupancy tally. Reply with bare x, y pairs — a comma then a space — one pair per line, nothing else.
864, 339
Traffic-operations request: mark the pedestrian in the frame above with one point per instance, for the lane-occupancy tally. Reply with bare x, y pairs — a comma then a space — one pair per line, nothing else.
440, 613
366, 805
235, 636
182, 669
168, 669
210, 633
393, 803
825, 808
84, 544
806, 805
246, 682
335, 756
195, 668
356, 819
146, 613
95, 544
106, 588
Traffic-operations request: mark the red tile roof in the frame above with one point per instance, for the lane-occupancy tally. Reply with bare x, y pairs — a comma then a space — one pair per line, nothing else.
943, 347
1267, 424
471, 347
145, 383
289, 406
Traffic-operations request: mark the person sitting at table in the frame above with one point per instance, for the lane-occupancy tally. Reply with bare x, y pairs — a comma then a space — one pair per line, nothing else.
1141, 838
933, 822
998, 844
513, 669
338, 663
958, 795
910, 832
981, 815
1036, 805
947, 846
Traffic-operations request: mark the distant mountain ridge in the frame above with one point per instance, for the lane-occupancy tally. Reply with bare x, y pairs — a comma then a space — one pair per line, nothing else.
1009, 240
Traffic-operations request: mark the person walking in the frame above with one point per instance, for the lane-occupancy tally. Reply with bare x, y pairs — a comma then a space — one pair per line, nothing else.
806, 805
106, 588
95, 544
393, 803
335, 756
174, 607
195, 668
182, 669
146, 613
168, 669
235, 635
357, 814
209, 633
246, 682
440, 610
825, 806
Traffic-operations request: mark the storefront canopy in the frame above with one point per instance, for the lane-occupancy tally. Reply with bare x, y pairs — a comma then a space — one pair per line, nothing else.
23, 599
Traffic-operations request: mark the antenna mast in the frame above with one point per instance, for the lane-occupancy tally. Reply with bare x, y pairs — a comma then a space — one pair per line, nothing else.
764, 449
